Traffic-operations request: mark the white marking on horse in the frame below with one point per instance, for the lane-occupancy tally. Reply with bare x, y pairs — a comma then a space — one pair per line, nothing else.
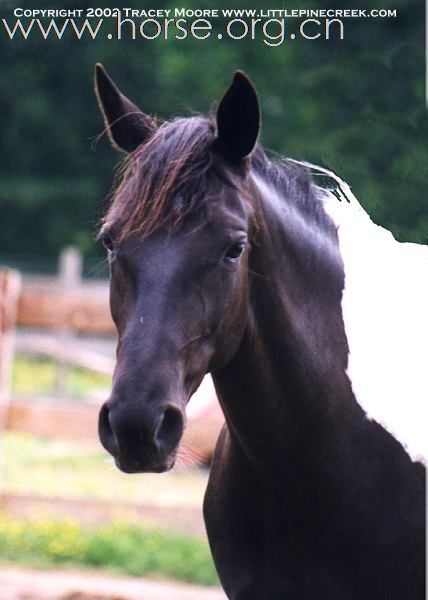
385, 310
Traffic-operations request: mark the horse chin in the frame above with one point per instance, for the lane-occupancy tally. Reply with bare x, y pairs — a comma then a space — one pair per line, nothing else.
137, 466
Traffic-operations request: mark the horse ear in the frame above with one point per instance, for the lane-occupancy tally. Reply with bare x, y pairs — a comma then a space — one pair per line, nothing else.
238, 120
127, 126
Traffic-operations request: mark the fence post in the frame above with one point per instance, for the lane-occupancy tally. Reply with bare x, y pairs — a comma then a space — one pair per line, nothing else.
10, 289
70, 279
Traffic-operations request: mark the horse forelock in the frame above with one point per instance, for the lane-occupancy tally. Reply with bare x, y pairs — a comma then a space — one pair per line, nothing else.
173, 175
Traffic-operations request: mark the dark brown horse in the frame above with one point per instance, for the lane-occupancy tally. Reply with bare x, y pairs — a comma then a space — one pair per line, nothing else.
225, 262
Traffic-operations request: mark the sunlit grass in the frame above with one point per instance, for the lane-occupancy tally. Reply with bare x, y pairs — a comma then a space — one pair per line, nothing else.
122, 547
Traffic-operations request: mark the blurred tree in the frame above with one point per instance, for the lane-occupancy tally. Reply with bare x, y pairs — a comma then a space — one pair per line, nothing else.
356, 105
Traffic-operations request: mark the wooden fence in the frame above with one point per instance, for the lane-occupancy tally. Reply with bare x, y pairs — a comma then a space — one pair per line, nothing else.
82, 310
66, 302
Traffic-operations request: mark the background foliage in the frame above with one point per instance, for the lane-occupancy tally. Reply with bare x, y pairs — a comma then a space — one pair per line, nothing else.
355, 105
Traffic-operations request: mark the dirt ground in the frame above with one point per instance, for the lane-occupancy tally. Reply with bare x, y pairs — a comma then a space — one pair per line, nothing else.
17, 584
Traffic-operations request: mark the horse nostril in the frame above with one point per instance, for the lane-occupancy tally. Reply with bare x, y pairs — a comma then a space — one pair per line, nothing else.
169, 430
106, 433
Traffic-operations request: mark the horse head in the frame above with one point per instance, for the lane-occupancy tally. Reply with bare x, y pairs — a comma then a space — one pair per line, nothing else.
178, 236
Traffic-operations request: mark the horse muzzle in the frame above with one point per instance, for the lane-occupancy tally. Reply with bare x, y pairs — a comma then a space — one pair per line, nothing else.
141, 441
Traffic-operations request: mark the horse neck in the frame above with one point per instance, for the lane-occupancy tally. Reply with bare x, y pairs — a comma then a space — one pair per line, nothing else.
287, 383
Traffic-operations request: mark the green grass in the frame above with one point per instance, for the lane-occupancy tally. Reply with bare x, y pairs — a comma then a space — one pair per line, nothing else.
120, 547
38, 376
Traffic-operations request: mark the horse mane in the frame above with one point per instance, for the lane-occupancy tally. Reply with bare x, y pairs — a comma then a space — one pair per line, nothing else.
295, 183
175, 173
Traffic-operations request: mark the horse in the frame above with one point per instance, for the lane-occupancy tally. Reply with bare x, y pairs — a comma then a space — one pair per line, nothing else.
228, 262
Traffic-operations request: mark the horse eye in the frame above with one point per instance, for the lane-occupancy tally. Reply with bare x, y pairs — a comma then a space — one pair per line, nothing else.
235, 251
107, 242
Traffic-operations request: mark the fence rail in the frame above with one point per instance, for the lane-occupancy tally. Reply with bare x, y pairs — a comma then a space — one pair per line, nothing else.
79, 311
